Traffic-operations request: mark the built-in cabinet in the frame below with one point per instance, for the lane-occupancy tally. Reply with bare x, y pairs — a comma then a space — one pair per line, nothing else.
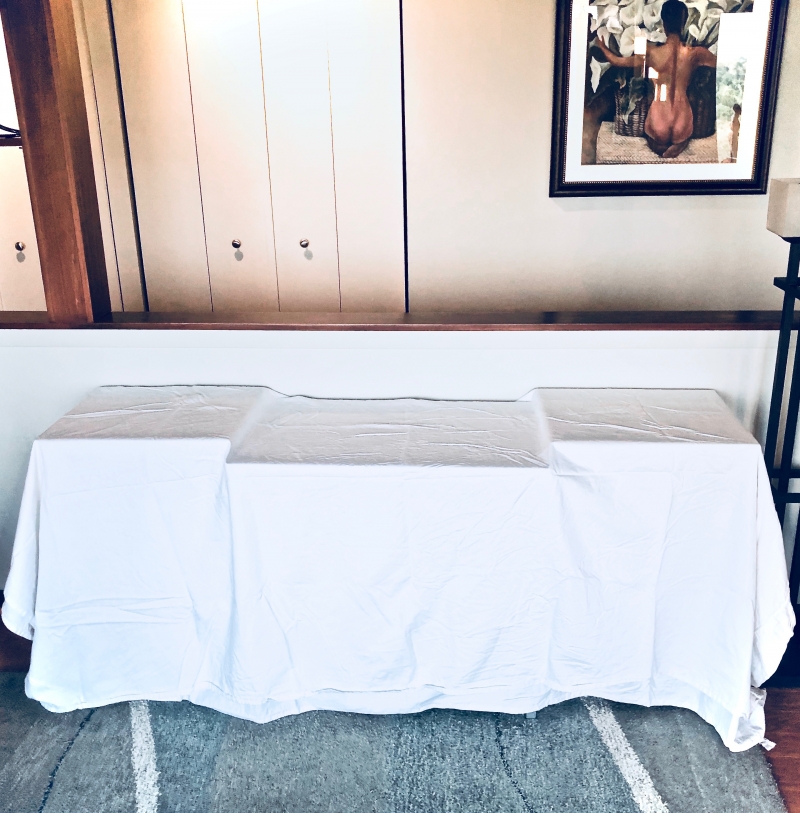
265, 141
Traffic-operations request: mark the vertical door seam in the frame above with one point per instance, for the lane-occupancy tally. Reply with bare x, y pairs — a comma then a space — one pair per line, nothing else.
403, 153
333, 169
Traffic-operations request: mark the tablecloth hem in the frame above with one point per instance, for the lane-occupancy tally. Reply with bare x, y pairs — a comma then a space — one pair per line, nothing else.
738, 733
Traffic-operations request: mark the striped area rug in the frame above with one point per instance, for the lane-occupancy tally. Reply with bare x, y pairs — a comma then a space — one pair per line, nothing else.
586, 756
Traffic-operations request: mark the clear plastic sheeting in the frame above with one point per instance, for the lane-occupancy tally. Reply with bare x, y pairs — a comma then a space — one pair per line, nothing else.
154, 413
644, 416
394, 432
266, 555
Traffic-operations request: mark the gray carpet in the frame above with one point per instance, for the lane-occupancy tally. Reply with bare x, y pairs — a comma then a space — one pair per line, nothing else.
661, 760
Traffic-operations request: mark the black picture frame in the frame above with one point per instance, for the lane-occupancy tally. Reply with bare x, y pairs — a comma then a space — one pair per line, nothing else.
756, 185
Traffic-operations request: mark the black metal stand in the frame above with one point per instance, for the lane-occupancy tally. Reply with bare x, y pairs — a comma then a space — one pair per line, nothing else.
780, 466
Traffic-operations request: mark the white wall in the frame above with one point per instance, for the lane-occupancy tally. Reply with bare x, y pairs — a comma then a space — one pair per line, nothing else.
483, 233
45, 373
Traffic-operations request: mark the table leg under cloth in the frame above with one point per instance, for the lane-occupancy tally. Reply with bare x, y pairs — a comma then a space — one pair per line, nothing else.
644, 569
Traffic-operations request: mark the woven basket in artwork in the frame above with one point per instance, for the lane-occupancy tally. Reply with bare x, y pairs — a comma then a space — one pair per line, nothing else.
634, 125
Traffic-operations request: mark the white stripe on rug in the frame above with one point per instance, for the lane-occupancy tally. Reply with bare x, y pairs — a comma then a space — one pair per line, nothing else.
143, 758
635, 774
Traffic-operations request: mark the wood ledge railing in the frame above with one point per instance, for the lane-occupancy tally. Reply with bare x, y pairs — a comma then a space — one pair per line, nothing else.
417, 321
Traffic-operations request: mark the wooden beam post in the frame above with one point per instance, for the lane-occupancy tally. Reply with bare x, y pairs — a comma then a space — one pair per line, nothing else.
46, 75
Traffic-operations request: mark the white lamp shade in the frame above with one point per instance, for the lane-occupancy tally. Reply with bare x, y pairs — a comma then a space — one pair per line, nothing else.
783, 214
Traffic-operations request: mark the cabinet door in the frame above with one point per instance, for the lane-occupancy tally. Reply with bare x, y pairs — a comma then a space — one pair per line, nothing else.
297, 94
100, 165
21, 286
98, 61
157, 99
365, 71
228, 97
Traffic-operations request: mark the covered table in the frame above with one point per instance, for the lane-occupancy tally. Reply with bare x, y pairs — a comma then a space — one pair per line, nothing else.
266, 555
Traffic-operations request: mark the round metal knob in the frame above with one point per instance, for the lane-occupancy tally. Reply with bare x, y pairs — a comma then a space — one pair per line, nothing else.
19, 245
236, 243
304, 244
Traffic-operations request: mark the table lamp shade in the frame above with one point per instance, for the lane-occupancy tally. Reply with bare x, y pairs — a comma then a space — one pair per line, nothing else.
783, 214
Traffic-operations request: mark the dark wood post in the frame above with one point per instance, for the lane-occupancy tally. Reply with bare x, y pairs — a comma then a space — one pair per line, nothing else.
46, 75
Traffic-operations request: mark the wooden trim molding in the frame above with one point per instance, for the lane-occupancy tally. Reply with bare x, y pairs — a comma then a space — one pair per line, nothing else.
418, 321
415, 321
45, 72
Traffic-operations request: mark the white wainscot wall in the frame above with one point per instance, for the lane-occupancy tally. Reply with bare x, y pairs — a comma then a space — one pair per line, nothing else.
45, 373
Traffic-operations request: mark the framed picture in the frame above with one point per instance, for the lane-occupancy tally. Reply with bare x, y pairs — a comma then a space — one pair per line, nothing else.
664, 97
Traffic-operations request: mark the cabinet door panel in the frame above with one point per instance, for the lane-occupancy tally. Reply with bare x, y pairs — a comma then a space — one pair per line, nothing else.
106, 125
296, 84
158, 108
21, 287
96, 140
364, 48
228, 96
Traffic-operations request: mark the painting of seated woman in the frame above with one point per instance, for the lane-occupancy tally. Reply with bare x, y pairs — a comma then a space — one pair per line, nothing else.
664, 92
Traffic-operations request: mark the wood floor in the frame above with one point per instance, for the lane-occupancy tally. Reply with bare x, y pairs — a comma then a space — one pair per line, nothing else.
783, 728
782, 710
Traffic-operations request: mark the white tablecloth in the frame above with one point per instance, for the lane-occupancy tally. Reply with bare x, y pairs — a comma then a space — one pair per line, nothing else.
265, 555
